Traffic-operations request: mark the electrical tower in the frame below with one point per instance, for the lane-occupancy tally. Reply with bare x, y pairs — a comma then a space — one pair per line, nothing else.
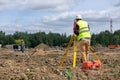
111, 26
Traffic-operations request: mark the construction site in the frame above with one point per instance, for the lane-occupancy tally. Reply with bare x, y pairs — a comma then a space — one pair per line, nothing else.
60, 40
43, 63
64, 62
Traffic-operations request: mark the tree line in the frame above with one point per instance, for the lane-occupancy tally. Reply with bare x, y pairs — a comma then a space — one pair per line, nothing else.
33, 39
104, 38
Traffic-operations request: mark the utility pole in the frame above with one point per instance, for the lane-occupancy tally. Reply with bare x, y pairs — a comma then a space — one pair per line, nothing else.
111, 26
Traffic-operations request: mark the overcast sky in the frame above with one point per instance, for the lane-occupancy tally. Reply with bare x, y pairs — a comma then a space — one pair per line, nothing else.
57, 15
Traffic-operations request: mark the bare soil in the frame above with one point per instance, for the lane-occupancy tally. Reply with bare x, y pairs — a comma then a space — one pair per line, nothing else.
43, 64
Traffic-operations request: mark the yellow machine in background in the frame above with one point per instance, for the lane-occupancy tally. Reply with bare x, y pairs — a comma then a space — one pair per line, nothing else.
18, 41
17, 44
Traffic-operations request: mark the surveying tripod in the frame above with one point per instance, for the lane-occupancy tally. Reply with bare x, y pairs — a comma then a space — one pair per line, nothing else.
73, 39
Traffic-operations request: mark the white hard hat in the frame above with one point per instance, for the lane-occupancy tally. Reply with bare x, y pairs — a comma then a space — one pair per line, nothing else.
78, 17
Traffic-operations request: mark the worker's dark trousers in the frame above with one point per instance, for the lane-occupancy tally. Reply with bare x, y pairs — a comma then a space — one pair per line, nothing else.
22, 49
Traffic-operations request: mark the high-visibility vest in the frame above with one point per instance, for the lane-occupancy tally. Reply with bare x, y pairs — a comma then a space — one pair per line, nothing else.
84, 31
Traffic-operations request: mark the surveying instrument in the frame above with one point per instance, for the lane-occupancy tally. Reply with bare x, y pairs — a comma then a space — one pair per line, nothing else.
87, 64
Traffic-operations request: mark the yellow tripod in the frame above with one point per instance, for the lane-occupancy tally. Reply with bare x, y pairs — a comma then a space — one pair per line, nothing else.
74, 39
95, 54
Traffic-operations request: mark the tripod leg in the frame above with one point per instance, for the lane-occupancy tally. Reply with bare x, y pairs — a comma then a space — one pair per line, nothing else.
94, 53
66, 51
75, 51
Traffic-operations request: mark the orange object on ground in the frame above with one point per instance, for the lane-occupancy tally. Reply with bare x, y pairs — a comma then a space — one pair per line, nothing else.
91, 65
96, 64
112, 46
87, 65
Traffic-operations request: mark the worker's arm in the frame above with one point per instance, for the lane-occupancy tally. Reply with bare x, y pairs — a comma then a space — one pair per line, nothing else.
74, 26
76, 29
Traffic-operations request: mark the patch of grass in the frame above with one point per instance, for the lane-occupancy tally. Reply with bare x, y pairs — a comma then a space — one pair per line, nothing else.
112, 65
68, 74
114, 72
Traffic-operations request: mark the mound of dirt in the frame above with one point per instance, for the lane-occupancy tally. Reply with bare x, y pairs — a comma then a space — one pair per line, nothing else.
42, 46
99, 47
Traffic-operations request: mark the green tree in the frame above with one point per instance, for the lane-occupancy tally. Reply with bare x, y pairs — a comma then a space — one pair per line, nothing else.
2, 37
9, 39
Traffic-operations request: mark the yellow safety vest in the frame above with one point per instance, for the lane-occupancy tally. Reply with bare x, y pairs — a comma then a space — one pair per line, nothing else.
84, 31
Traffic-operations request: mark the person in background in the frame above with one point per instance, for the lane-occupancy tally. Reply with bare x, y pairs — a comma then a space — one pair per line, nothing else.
82, 30
22, 46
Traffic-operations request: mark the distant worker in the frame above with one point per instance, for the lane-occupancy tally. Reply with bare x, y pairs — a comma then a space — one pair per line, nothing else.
22, 46
82, 30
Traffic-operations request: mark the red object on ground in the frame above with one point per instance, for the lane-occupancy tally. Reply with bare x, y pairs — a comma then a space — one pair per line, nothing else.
91, 65
87, 65
97, 64
113, 46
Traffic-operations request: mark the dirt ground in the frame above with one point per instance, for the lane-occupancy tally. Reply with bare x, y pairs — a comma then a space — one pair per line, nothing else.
42, 63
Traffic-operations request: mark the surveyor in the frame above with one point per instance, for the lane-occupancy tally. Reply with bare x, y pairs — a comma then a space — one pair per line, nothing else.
82, 30
22, 46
